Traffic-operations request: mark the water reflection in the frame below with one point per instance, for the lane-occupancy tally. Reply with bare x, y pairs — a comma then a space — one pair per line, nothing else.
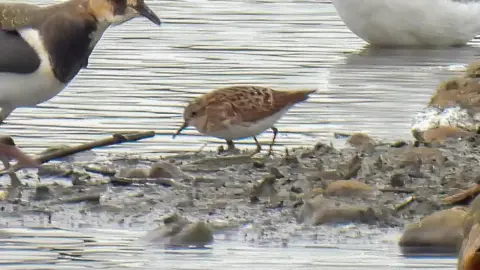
51, 248
140, 76
373, 87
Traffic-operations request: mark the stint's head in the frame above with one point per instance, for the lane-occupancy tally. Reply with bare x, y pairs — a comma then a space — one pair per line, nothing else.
192, 114
120, 11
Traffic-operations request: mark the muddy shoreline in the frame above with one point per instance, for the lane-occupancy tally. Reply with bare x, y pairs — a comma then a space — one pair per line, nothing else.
380, 184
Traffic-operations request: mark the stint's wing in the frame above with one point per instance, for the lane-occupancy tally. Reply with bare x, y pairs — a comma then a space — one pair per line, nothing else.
252, 103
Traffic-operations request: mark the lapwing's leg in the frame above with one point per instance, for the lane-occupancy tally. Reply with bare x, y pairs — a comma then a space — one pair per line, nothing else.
275, 132
14, 180
259, 147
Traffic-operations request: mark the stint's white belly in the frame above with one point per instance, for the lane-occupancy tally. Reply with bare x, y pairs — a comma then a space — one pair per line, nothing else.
25, 90
411, 22
235, 132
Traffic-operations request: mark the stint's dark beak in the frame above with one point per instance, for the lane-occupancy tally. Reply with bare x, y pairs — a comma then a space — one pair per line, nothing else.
146, 12
184, 126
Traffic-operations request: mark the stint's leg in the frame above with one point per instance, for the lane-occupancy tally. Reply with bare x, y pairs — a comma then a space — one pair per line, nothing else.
275, 132
231, 149
230, 146
259, 147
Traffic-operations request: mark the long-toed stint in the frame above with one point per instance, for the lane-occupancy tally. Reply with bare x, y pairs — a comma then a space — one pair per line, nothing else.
43, 48
241, 111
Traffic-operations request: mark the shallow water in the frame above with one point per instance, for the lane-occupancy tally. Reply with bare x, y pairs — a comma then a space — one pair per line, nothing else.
39, 248
140, 76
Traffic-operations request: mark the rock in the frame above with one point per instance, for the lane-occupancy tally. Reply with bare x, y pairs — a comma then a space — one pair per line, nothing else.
43, 193
80, 179
164, 169
264, 188
134, 173
361, 141
424, 155
275, 172
440, 231
179, 232
3, 195
348, 188
313, 193
101, 169
399, 179
320, 210
440, 134
259, 164
55, 170
468, 256
457, 91
455, 103
351, 169
398, 144
290, 160
325, 176
473, 70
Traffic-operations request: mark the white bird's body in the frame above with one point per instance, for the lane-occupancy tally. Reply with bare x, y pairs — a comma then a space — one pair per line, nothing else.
411, 22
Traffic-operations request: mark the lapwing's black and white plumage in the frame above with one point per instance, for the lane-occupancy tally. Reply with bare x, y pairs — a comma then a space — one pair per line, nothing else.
43, 48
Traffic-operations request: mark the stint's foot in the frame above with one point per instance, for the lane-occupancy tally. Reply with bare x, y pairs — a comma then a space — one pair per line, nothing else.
222, 151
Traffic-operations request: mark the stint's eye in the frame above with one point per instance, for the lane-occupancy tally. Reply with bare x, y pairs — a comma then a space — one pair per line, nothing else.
194, 114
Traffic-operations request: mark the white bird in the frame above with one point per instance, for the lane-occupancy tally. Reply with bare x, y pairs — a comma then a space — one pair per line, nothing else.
411, 22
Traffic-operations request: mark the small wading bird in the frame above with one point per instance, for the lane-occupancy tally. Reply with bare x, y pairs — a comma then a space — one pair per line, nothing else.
43, 48
238, 112
411, 22
469, 255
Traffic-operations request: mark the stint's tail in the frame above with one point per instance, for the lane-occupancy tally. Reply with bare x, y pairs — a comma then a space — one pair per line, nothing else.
285, 98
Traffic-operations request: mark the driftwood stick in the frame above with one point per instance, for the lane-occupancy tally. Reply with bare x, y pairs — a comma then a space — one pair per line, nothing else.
405, 203
462, 195
114, 139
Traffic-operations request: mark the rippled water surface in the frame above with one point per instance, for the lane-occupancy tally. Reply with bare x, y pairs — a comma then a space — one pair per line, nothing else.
141, 75
38, 248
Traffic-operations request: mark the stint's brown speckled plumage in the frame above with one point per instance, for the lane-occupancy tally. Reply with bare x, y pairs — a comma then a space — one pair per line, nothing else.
240, 111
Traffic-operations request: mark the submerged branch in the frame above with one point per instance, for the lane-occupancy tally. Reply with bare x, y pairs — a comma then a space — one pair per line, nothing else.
64, 152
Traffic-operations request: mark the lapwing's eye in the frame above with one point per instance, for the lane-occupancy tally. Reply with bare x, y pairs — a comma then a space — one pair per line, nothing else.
194, 114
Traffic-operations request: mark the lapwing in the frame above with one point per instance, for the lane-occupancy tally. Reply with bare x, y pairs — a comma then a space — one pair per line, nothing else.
43, 48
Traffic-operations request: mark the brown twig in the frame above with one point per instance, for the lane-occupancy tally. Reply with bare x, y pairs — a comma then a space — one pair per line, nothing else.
405, 203
114, 139
463, 195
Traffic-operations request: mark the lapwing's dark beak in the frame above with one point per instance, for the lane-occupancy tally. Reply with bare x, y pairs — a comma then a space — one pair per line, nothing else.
146, 12
184, 126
